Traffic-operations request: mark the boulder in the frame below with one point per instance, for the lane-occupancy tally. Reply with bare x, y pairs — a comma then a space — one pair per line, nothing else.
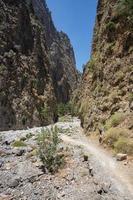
121, 157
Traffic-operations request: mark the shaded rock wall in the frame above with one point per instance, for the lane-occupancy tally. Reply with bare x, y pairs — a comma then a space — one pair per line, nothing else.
37, 65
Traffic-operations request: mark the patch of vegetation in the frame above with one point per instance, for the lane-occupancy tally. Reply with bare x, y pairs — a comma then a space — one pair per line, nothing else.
32, 153
66, 118
124, 145
113, 135
110, 26
130, 97
115, 120
23, 138
29, 135
125, 8
24, 120
2, 67
19, 143
66, 109
44, 112
48, 151
91, 64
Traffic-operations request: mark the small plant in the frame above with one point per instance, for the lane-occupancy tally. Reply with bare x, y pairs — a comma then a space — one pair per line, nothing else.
44, 112
115, 120
24, 120
130, 97
29, 135
113, 135
124, 145
19, 143
110, 26
48, 152
91, 64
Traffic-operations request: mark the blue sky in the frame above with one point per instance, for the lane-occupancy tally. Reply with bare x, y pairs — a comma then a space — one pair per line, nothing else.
77, 19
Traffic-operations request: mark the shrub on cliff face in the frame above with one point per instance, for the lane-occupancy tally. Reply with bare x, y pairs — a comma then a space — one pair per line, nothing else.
48, 152
114, 120
125, 7
110, 26
113, 135
91, 64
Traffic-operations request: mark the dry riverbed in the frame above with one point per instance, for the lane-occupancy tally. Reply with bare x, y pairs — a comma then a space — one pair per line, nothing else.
89, 172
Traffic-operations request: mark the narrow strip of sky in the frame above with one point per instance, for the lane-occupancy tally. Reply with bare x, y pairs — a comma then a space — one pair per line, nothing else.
77, 19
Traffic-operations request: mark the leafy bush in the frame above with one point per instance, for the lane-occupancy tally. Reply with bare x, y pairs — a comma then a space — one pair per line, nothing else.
110, 26
124, 145
113, 135
114, 120
48, 152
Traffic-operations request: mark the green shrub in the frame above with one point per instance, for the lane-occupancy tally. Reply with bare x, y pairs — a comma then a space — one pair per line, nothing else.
48, 152
115, 120
66, 109
124, 145
110, 26
113, 135
19, 143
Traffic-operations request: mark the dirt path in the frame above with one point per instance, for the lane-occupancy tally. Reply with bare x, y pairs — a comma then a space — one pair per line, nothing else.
106, 166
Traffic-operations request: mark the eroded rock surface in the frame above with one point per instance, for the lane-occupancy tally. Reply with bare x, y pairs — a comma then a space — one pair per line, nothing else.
37, 65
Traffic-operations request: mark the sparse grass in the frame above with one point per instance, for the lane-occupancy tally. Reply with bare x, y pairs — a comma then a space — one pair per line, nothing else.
48, 152
64, 131
124, 145
44, 112
114, 134
115, 120
66, 118
19, 143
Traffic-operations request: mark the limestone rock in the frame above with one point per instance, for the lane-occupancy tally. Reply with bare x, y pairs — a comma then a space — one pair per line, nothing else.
38, 67
121, 157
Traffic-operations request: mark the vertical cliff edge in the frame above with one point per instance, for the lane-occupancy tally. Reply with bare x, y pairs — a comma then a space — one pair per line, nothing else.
37, 65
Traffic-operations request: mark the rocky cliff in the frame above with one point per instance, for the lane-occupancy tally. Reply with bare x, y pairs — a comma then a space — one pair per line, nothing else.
107, 83
37, 65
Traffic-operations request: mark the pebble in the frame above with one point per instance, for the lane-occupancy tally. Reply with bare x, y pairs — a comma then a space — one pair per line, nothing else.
14, 183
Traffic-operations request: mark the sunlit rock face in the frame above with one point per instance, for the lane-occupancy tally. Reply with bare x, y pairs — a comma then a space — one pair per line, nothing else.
37, 65
107, 82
